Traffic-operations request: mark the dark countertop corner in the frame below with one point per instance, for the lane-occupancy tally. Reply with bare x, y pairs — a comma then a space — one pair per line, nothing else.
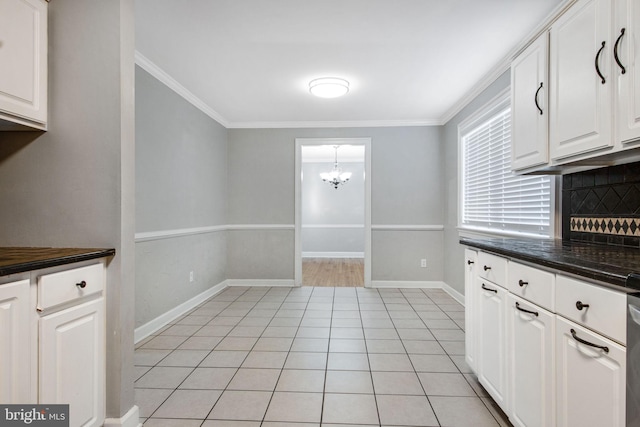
15, 260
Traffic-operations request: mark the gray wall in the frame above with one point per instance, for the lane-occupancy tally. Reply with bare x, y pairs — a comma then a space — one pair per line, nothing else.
322, 204
73, 185
181, 183
406, 190
454, 252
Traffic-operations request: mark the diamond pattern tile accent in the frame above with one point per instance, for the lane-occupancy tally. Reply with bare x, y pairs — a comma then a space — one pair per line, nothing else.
603, 206
616, 226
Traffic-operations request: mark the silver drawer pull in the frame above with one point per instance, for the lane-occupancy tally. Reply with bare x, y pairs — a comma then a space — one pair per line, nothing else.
82, 284
601, 347
580, 305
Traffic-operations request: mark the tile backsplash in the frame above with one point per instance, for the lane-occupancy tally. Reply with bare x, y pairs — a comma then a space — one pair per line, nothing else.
602, 206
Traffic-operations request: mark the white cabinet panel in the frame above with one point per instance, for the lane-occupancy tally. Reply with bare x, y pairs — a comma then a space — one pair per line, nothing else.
69, 285
600, 309
529, 106
72, 361
23, 55
581, 81
493, 268
470, 318
532, 284
15, 343
627, 72
492, 344
531, 364
590, 380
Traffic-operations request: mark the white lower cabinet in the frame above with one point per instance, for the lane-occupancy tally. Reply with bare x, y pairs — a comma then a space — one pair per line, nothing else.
72, 361
15, 366
591, 377
470, 321
492, 340
52, 340
541, 368
531, 364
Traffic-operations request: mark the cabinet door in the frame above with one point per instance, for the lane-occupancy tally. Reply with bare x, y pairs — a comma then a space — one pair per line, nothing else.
492, 345
23, 55
469, 307
72, 361
580, 102
14, 343
590, 381
529, 112
531, 364
627, 44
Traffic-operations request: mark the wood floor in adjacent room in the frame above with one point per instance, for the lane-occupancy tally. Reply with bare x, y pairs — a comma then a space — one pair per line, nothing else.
336, 272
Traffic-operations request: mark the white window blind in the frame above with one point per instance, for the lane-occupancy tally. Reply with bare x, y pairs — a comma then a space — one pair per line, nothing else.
493, 197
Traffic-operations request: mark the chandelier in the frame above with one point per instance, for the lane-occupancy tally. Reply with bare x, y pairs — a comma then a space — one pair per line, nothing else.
336, 176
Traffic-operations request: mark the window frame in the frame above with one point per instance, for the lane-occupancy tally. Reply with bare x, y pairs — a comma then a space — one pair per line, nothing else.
482, 115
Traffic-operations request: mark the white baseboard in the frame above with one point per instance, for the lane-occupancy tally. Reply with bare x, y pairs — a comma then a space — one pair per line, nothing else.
130, 419
261, 282
455, 294
159, 322
332, 254
407, 284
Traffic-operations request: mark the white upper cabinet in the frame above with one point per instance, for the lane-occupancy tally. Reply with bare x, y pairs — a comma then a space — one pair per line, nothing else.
23, 64
529, 111
581, 80
625, 49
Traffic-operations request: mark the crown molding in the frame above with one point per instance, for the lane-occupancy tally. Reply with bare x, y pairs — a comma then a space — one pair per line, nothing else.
505, 63
476, 90
332, 124
157, 72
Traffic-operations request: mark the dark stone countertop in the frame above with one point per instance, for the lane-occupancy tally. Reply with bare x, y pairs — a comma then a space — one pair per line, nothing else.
613, 265
19, 259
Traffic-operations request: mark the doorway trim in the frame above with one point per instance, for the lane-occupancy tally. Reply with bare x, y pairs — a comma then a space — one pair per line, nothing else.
366, 142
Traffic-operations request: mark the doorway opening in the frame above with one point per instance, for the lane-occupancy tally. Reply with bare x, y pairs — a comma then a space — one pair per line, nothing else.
332, 219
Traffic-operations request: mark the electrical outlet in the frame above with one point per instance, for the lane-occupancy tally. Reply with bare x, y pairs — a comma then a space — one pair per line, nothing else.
191, 276
423, 263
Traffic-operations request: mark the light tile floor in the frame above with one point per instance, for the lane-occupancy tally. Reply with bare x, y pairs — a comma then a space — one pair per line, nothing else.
313, 357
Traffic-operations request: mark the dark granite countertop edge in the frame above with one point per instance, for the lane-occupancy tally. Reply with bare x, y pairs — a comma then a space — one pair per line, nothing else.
54, 261
619, 280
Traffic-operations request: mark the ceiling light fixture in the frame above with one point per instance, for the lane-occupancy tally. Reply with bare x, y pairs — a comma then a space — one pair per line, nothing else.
336, 176
329, 87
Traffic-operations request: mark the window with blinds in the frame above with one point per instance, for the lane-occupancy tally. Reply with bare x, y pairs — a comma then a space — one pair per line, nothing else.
493, 198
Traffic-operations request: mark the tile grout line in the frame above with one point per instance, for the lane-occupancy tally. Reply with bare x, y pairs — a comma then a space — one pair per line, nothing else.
194, 368
286, 358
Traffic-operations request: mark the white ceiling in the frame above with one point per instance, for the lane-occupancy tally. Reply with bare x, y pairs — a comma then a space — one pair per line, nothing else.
248, 62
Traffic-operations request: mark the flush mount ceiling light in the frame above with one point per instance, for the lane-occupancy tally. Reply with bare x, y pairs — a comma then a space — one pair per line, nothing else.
329, 87
336, 176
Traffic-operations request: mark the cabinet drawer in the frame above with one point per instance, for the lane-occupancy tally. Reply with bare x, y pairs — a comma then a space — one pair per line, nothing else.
65, 286
531, 284
606, 311
493, 268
